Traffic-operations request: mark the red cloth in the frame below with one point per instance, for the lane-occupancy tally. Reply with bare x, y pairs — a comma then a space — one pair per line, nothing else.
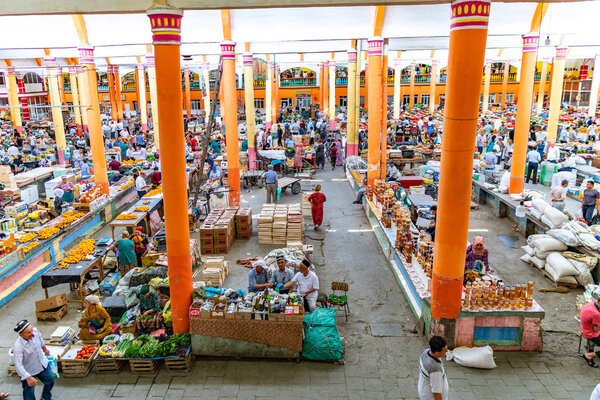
317, 199
590, 317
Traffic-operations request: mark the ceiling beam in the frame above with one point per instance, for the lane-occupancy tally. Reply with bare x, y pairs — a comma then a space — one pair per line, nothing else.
28, 7
8, 62
80, 27
38, 61
378, 22
538, 16
226, 20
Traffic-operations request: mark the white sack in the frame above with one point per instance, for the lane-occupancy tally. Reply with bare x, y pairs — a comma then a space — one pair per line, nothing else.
529, 250
549, 244
565, 236
537, 262
557, 217
539, 204
542, 255
547, 221
561, 265
535, 212
474, 357
526, 258
557, 278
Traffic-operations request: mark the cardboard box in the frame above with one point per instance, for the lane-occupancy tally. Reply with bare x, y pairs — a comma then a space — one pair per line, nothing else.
110, 282
207, 250
231, 315
195, 309
294, 318
53, 308
220, 242
218, 309
220, 251
207, 242
206, 231
220, 231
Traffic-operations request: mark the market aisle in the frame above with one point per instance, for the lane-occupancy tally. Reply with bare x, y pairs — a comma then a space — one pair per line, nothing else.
375, 368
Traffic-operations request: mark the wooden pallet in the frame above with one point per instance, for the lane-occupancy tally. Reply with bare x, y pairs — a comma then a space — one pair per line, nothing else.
180, 364
108, 365
142, 366
76, 368
556, 284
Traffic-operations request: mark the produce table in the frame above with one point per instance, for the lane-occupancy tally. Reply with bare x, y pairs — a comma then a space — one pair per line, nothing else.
503, 329
258, 335
129, 223
76, 274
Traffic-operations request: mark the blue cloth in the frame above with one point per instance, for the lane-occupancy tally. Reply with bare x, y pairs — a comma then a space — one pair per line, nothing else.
255, 278
85, 169
534, 157
47, 378
271, 177
490, 160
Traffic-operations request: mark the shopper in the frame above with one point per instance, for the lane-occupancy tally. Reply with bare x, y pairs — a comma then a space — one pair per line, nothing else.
30, 354
114, 164
433, 382
155, 178
333, 156
140, 184
320, 154
558, 194
308, 285
317, 199
589, 318
125, 253
591, 200
68, 188
271, 180
258, 277
533, 161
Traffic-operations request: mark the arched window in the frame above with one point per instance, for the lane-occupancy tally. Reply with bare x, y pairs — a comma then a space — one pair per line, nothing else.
32, 77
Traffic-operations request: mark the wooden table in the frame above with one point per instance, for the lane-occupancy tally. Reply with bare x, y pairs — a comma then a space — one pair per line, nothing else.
130, 223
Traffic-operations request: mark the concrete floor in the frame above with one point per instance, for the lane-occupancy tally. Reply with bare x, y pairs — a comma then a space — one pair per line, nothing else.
374, 368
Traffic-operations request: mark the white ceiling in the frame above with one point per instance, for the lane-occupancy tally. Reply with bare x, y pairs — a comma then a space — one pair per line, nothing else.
316, 32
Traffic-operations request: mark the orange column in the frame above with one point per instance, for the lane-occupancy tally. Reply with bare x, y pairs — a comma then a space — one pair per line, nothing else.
111, 93
188, 94
384, 94
413, 71
166, 29
13, 98
325, 88
119, 101
231, 121
366, 104
468, 33
523, 118
94, 124
61, 85
504, 84
374, 110
542, 87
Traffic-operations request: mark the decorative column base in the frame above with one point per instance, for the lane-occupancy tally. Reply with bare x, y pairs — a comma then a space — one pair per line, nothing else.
61, 156
331, 124
351, 150
145, 128
252, 158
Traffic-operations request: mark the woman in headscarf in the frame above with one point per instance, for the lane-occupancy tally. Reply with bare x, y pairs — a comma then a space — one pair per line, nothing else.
477, 256
125, 253
68, 188
298, 156
140, 240
215, 147
340, 153
58, 202
317, 199
149, 317
95, 322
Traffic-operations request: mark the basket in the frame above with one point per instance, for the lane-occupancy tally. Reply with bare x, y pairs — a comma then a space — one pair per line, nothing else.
180, 364
145, 366
108, 365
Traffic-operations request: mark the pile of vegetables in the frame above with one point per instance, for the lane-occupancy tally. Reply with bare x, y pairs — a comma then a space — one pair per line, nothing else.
106, 350
85, 352
146, 346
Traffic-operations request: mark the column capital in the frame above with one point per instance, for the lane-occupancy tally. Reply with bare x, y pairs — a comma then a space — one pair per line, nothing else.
413, 64
228, 50
150, 60
547, 60
561, 52
270, 64
488, 61
326, 64
434, 63
9, 70
530, 42
166, 25
86, 53
469, 14
50, 62
332, 63
375, 46
140, 67
248, 59
186, 68
115, 69
397, 62
352, 55
205, 66
73, 69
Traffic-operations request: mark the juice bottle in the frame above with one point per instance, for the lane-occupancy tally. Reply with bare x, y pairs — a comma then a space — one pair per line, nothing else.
530, 288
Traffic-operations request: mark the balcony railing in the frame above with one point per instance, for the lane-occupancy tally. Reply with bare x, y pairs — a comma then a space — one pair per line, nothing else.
260, 83
67, 87
538, 76
498, 76
423, 78
341, 81
443, 78
129, 87
287, 82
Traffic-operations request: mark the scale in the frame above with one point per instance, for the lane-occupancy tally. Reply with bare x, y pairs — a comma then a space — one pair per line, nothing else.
105, 242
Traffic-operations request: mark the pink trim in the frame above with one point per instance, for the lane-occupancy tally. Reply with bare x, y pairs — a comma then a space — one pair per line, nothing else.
144, 127
251, 158
61, 156
351, 150
269, 123
332, 124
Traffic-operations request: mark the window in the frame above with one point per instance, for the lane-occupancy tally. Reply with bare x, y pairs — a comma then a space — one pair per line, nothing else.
362, 100
259, 103
406, 99
499, 98
566, 97
2, 80
425, 99
287, 102
492, 98
390, 100
510, 97
3, 102
343, 101
416, 99
32, 77
134, 105
195, 105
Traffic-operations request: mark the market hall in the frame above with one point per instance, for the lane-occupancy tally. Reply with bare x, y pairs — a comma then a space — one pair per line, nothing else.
175, 172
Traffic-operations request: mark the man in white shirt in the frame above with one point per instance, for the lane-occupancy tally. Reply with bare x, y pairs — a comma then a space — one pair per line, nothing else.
533, 161
558, 194
480, 142
392, 172
308, 285
140, 184
12, 151
30, 361
433, 382
420, 124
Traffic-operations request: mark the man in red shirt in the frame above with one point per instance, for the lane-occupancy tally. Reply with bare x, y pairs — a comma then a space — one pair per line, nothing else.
590, 327
114, 165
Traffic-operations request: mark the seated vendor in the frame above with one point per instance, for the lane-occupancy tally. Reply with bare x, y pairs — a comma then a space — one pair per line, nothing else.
392, 172
215, 174
116, 177
281, 275
590, 327
308, 285
402, 196
361, 192
258, 277
149, 316
477, 256
95, 322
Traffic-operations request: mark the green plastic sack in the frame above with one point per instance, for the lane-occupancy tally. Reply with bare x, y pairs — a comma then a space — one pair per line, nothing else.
320, 317
322, 343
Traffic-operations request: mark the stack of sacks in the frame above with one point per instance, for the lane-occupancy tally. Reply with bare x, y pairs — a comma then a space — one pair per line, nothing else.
560, 269
539, 247
584, 265
553, 217
538, 206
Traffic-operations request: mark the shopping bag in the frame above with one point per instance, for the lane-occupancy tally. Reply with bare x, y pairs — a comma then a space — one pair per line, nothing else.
53, 364
278, 193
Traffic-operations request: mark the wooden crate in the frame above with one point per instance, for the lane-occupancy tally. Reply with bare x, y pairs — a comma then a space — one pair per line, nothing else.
52, 315
77, 368
180, 364
108, 365
144, 366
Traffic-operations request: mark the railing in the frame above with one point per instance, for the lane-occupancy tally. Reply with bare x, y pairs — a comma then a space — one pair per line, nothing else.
341, 81
287, 82
498, 76
391, 79
129, 87
423, 78
404, 78
443, 78
67, 87
104, 88
260, 83
538, 76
